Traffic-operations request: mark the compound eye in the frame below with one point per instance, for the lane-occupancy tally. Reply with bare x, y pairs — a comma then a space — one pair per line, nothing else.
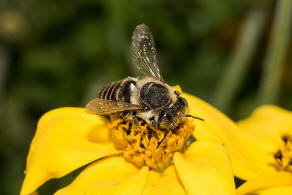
182, 101
176, 93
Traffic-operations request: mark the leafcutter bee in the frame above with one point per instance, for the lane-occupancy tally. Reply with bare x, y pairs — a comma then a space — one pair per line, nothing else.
149, 99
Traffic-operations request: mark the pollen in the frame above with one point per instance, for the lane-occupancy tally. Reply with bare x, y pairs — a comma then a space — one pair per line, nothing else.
139, 142
283, 156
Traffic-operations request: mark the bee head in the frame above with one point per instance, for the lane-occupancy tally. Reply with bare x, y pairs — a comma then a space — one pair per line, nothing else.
171, 117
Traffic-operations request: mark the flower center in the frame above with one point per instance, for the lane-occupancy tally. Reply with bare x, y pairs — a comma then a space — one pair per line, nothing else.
139, 143
283, 156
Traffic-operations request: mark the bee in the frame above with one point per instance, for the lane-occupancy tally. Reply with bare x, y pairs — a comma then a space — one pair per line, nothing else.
150, 98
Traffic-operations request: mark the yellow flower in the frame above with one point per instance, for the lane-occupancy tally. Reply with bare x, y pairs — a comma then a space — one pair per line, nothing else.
261, 150
69, 138
269, 131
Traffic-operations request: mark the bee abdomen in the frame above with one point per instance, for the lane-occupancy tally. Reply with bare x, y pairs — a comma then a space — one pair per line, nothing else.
126, 90
120, 90
109, 92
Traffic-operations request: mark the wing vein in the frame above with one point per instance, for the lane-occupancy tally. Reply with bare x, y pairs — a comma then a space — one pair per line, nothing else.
144, 55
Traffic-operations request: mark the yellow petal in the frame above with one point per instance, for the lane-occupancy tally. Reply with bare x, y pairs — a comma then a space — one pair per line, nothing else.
265, 128
205, 169
166, 183
219, 128
266, 183
113, 175
66, 139
268, 124
287, 190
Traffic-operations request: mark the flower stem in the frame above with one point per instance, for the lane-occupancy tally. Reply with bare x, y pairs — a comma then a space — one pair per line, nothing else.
270, 81
237, 67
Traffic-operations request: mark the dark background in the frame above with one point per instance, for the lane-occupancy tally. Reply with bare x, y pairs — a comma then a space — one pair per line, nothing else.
60, 53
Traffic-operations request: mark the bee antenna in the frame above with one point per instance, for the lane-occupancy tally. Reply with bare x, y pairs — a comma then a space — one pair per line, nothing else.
188, 115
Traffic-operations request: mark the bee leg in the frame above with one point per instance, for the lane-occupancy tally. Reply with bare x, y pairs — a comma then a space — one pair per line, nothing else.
135, 119
165, 136
163, 139
152, 121
124, 114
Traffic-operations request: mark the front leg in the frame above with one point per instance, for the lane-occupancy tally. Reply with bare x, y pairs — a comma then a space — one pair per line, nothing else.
165, 135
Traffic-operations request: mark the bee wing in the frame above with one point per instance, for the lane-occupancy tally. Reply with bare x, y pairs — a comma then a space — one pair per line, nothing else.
143, 51
106, 107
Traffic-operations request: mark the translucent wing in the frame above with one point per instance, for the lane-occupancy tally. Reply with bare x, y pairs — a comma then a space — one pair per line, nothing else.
106, 107
143, 51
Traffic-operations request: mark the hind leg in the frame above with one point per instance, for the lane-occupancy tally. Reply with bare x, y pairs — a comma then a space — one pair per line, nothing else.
124, 114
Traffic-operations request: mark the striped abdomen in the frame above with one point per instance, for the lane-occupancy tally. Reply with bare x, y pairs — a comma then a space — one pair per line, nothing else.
119, 90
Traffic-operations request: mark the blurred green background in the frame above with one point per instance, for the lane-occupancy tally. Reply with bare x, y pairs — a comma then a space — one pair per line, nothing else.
231, 53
